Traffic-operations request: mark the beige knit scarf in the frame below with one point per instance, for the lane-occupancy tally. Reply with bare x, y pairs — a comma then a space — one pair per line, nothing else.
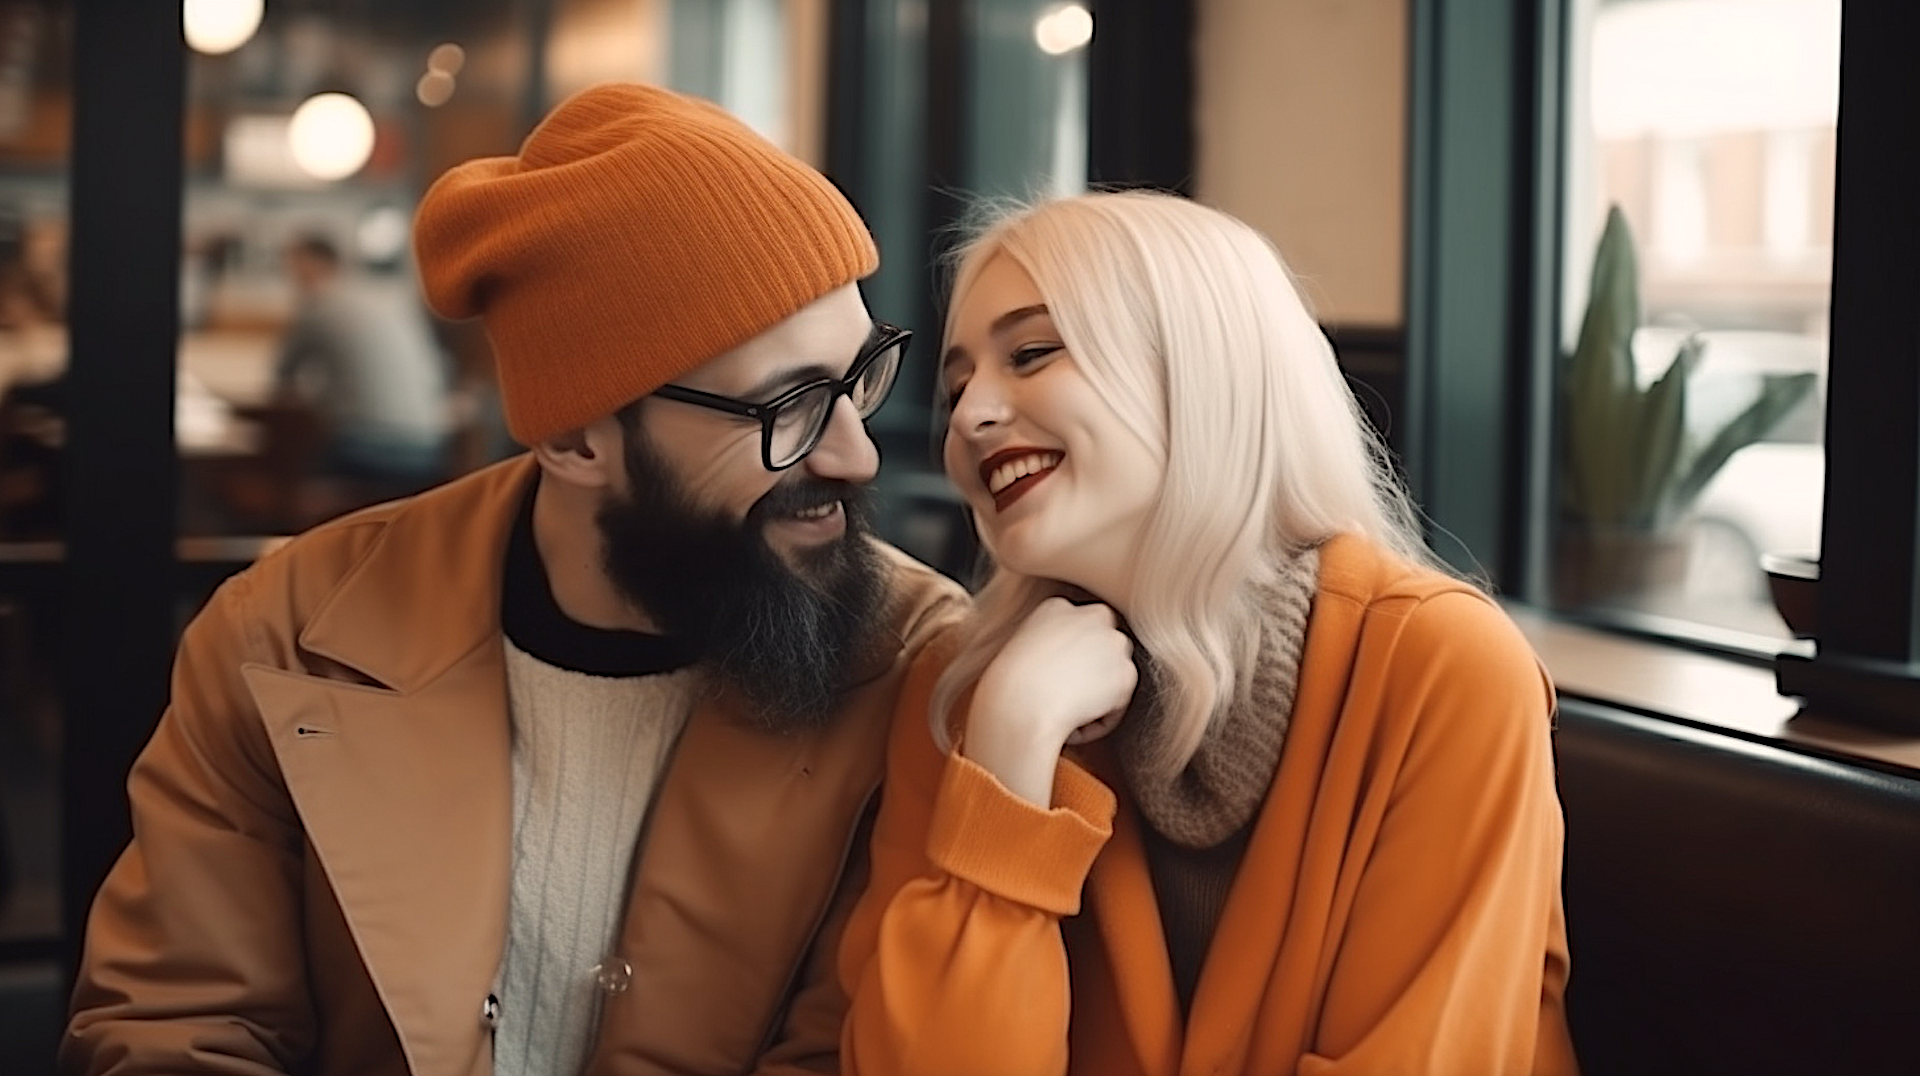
1226, 780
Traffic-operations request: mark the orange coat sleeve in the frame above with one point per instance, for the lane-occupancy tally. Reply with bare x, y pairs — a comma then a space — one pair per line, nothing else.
954, 957
193, 959
1440, 970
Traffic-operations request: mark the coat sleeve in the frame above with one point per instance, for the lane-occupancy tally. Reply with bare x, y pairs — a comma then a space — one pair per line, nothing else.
808, 1043
193, 958
1454, 959
954, 955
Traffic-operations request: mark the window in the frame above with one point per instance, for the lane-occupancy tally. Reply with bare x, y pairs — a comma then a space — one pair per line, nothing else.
1709, 124
1490, 207
172, 471
34, 77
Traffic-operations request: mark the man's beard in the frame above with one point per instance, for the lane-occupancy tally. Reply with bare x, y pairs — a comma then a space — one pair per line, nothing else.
786, 641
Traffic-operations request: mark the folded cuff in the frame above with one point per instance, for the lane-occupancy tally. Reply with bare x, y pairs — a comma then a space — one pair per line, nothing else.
1015, 849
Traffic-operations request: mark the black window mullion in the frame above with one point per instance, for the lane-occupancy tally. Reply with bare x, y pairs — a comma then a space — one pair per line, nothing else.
1140, 93
129, 78
1475, 166
1868, 584
1865, 663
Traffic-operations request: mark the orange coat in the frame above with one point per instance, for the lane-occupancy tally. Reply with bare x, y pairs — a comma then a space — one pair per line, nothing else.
1397, 913
319, 873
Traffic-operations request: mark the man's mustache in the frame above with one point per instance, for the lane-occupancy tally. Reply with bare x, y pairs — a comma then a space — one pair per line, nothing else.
803, 493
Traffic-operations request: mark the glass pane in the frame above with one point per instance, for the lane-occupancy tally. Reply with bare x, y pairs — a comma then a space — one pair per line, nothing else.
312, 378
35, 97
763, 60
875, 381
1028, 113
1709, 126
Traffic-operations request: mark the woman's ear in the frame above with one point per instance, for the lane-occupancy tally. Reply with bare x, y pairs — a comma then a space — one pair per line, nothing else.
588, 456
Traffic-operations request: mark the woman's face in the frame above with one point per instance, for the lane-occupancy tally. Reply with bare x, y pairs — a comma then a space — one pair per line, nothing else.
1060, 485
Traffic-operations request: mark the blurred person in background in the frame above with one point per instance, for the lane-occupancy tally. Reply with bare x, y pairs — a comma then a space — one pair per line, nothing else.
361, 353
566, 765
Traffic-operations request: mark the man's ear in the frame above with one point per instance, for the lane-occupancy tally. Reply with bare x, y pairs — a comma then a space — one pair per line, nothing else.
589, 456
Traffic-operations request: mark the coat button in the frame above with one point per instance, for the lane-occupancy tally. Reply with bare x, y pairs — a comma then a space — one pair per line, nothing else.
613, 975
490, 1011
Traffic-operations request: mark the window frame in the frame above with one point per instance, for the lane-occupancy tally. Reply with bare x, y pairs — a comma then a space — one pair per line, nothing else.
1487, 91
119, 576
1484, 150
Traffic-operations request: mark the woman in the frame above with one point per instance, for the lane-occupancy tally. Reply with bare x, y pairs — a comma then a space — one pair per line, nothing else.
1319, 833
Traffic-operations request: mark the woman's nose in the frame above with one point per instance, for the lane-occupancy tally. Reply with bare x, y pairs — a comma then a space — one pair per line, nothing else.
980, 408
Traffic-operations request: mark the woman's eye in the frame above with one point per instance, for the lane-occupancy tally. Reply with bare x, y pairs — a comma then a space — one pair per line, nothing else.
1027, 356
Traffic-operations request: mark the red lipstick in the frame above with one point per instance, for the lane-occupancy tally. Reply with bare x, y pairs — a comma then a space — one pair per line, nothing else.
1017, 488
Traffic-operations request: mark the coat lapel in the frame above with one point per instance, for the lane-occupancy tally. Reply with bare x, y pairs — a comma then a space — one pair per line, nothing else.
406, 800
1121, 899
427, 592
401, 770
1247, 960
1234, 980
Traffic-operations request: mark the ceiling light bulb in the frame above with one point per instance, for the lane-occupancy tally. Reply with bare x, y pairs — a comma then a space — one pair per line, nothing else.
216, 26
1063, 29
331, 135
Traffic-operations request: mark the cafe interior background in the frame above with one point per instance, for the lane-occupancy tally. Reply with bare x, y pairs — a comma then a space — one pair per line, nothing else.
163, 456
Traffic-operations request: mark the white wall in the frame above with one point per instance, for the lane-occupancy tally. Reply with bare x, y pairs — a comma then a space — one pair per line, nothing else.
1301, 131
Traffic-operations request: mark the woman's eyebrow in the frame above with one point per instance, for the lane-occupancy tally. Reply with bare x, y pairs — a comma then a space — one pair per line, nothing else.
1000, 324
1014, 317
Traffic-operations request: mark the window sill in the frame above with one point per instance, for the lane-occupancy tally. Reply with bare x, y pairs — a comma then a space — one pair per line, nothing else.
1700, 689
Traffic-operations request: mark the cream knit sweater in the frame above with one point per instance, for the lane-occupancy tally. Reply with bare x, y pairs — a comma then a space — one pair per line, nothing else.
588, 752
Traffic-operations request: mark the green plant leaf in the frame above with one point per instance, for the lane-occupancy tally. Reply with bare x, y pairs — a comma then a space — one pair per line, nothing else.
1778, 395
1603, 354
1661, 438
1602, 395
1626, 457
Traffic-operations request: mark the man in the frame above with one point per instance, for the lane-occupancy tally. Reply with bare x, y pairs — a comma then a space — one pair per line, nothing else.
361, 353
564, 766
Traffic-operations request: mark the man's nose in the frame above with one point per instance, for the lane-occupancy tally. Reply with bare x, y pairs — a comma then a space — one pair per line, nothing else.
845, 452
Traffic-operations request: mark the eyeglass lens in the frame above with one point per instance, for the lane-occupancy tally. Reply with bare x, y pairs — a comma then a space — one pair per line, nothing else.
798, 424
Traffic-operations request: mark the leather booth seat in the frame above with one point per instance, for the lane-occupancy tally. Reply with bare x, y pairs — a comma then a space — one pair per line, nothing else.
1735, 907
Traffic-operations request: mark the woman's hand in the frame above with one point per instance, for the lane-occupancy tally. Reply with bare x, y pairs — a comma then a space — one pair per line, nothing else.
1064, 676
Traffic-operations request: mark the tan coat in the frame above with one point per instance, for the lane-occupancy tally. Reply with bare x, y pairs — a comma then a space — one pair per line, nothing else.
319, 874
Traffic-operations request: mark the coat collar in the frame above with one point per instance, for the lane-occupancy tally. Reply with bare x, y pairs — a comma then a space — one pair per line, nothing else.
427, 591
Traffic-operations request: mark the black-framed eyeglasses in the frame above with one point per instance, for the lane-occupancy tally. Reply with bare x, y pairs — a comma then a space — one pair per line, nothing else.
792, 423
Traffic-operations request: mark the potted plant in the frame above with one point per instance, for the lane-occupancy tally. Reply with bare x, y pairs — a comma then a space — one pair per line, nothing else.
1631, 471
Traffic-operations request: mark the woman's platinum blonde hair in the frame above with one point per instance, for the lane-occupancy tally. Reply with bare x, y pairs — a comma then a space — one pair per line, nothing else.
1188, 324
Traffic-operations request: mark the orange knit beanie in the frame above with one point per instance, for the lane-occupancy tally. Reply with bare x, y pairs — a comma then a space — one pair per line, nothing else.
637, 234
